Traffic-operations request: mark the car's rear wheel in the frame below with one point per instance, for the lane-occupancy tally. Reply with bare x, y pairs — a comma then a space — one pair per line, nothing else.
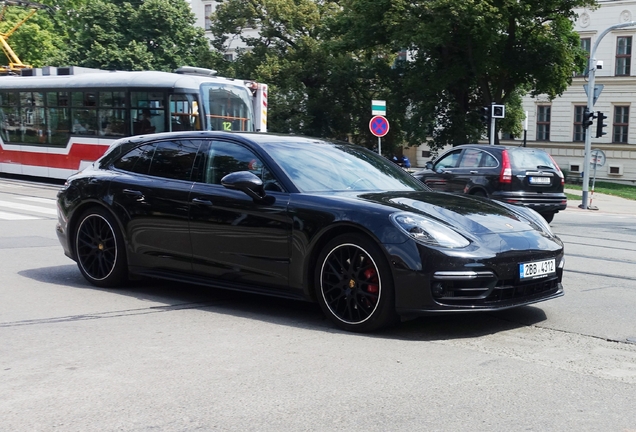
548, 216
99, 248
354, 285
479, 193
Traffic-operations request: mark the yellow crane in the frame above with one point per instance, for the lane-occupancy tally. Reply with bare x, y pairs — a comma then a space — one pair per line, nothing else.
15, 64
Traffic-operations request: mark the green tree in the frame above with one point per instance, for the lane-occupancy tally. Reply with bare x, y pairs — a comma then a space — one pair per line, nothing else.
133, 35
468, 54
36, 40
316, 87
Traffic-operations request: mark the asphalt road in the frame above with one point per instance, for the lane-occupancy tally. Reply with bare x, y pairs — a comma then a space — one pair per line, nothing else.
175, 357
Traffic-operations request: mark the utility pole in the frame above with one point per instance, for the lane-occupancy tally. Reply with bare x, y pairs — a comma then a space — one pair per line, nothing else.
590, 107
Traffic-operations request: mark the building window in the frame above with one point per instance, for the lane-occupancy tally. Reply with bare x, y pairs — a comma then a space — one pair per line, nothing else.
207, 13
579, 132
621, 124
586, 45
623, 55
543, 123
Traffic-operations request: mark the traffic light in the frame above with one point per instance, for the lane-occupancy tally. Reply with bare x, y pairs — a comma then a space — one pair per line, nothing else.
588, 118
498, 111
600, 125
485, 115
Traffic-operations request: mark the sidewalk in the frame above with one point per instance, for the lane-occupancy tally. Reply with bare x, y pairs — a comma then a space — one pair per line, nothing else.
605, 203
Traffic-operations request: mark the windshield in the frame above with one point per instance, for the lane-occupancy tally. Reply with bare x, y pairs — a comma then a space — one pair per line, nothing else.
227, 107
326, 167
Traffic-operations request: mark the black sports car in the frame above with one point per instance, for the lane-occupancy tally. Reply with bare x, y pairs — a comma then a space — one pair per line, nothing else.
302, 218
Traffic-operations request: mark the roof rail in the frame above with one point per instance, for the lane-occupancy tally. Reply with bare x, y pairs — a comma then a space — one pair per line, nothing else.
191, 70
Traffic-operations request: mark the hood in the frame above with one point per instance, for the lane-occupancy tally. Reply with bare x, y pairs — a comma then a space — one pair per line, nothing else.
474, 215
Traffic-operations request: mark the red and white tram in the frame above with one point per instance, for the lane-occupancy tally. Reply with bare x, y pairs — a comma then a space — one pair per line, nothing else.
56, 121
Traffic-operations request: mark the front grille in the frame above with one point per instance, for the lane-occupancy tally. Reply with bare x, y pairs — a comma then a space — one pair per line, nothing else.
503, 293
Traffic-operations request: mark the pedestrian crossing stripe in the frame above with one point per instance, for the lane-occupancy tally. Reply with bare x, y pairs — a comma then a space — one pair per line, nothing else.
27, 207
16, 216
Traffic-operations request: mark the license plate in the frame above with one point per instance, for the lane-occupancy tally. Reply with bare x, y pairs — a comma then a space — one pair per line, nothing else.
537, 269
539, 180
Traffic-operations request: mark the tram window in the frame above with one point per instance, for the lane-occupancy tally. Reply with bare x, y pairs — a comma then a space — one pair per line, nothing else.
58, 118
59, 121
84, 99
32, 120
112, 99
147, 112
112, 122
84, 121
9, 117
8, 99
184, 113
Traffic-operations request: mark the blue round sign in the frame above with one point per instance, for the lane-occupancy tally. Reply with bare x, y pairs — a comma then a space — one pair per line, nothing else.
379, 126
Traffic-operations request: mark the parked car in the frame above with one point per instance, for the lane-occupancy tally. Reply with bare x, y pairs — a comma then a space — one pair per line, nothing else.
516, 175
302, 218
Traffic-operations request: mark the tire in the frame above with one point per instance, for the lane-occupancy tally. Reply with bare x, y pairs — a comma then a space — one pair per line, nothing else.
99, 249
354, 285
479, 193
548, 216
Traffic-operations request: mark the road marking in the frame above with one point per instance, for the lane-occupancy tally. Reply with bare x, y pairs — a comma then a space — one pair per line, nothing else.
39, 200
15, 216
36, 209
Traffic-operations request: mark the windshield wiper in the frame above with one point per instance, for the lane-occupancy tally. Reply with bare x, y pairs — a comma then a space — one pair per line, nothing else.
544, 167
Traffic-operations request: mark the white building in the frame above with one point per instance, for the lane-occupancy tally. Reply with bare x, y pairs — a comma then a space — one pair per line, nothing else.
202, 10
557, 125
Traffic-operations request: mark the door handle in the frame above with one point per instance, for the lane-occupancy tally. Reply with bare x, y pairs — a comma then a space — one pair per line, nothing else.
200, 201
474, 172
134, 193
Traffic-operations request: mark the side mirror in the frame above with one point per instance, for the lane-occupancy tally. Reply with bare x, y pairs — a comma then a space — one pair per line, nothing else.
248, 183
429, 165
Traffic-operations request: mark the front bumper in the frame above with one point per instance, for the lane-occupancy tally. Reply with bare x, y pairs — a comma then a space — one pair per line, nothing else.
479, 280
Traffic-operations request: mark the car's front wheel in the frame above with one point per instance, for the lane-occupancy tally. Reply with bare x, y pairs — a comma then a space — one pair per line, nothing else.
354, 285
99, 249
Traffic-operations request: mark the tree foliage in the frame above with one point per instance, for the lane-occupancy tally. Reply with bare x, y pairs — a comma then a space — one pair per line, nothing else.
111, 34
467, 54
135, 35
325, 60
316, 88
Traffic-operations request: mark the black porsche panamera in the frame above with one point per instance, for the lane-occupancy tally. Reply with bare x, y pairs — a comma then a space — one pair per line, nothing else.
302, 218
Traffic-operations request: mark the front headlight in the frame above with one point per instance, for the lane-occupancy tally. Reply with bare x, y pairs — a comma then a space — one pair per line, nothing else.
427, 231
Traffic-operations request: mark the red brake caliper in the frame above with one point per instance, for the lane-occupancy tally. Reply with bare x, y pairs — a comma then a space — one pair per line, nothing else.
371, 276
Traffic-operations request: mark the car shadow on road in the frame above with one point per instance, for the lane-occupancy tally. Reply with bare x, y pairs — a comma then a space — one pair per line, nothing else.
168, 295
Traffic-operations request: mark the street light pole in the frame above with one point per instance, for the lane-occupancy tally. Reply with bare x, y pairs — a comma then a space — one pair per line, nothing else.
590, 107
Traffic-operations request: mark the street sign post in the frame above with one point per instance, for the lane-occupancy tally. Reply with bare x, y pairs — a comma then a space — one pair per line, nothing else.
379, 126
590, 104
378, 107
597, 158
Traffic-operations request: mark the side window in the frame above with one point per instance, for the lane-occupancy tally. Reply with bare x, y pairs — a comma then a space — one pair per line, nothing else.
137, 160
489, 161
470, 159
448, 161
225, 158
174, 159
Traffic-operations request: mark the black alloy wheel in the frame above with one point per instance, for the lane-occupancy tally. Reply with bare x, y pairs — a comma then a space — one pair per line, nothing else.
99, 249
354, 285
